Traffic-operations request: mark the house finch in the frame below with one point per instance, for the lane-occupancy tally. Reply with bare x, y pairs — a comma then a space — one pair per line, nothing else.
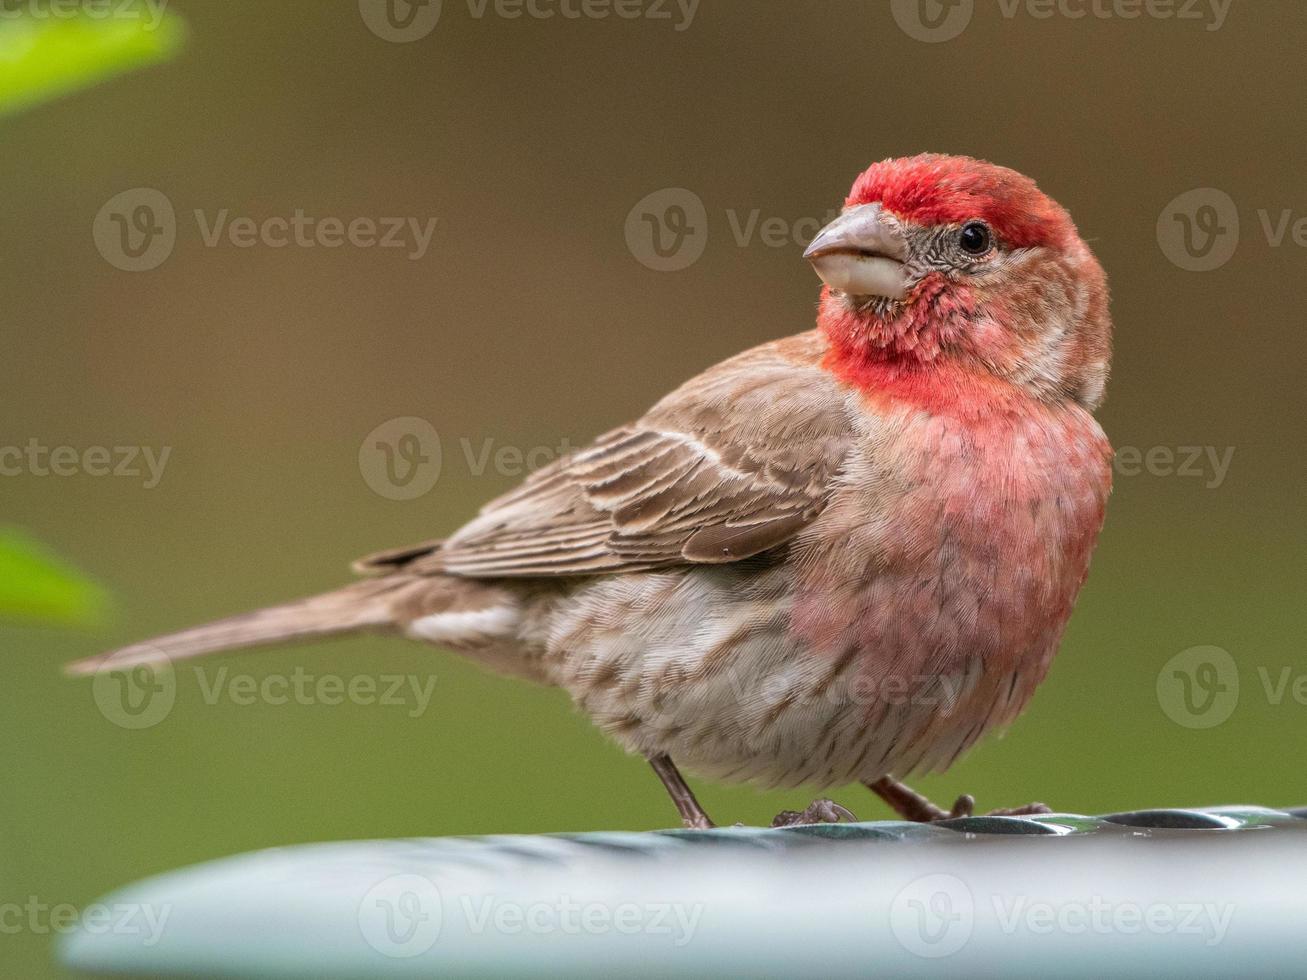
841, 556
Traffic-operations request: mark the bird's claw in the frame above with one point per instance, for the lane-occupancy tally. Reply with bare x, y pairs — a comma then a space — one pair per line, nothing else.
1029, 810
911, 805
966, 807
963, 806
819, 811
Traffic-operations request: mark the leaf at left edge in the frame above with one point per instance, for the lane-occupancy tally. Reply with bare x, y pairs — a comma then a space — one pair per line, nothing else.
36, 587
44, 58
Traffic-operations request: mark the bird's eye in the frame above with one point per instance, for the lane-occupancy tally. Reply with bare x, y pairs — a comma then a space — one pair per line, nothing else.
975, 238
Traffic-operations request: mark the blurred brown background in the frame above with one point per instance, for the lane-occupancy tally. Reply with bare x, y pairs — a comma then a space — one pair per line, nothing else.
530, 319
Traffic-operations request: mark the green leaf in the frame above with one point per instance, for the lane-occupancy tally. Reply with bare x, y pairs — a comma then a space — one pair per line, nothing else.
42, 58
35, 586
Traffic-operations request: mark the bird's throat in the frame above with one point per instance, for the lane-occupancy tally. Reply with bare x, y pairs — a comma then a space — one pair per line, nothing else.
911, 356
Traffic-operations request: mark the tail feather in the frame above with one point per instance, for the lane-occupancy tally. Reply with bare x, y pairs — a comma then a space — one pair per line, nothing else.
360, 606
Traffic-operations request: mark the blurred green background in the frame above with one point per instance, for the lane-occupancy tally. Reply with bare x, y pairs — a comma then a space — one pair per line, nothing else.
530, 320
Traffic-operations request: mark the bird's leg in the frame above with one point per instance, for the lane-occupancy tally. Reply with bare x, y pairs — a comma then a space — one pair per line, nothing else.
819, 811
687, 806
911, 805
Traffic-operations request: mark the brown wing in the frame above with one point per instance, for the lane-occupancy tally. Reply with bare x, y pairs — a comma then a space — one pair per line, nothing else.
730, 465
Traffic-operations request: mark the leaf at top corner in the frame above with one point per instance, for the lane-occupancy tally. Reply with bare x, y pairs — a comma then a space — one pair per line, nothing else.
50, 55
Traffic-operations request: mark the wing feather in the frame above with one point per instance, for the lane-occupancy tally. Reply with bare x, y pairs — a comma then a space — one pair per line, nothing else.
731, 465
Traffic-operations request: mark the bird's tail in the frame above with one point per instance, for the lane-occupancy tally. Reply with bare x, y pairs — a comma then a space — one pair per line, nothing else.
360, 606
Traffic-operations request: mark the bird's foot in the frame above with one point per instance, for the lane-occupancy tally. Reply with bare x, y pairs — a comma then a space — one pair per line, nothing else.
966, 807
1029, 810
819, 811
911, 805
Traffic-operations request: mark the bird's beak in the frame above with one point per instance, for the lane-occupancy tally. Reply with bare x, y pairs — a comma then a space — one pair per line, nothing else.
861, 253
